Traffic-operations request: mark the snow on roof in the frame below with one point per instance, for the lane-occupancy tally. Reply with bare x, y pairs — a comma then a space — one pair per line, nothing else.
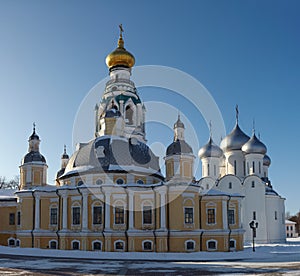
7, 193
213, 192
289, 222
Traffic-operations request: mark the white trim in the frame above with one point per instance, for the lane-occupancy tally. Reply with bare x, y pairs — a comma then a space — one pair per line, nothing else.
188, 199
54, 199
194, 245
143, 244
212, 249
119, 196
188, 195
56, 243
72, 242
75, 198
101, 245
122, 243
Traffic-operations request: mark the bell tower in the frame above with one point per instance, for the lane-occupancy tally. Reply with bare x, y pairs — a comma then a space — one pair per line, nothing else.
33, 169
120, 103
179, 158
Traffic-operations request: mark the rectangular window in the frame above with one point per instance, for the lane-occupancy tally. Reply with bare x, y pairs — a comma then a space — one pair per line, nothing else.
147, 215
119, 215
253, 184
97, 215
231, 219
254, 215
19, 218
12, 218
235, 167
53, 216
211, 216
253, 165
188, 215
76, 216
275, 215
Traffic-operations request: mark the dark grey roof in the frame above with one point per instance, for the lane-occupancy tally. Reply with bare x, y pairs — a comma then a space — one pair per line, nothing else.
34, 136
60, 173
111, 113
33, 156
107, 153
178, 147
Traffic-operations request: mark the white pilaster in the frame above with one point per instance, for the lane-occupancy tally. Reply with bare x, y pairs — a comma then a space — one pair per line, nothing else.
107, 211
37, 213
162, 193
131, 209
84, 210
224, 214
65, 212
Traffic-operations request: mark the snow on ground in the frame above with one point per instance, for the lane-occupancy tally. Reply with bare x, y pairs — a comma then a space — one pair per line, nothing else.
281, 252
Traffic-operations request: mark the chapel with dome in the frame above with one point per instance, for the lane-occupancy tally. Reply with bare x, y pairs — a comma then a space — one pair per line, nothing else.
111, 194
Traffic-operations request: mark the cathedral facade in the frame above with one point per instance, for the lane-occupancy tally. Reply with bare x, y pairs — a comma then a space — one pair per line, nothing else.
110, 195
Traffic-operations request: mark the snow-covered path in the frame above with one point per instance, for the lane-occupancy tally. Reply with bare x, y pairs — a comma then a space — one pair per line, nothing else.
268, 259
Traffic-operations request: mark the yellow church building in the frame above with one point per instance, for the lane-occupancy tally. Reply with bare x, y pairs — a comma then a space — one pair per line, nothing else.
110, 195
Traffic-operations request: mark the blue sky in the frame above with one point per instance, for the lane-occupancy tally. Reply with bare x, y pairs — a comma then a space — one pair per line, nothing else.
244, 52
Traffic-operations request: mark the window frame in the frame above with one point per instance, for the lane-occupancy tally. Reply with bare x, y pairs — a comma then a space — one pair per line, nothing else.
52, 221
212, 249
76, 206
93, 245
187, 242
119, 241
147, 208
52, 241
209, 220
12, 218
72, 244
97, 205
147, 241
188, 217
121, 217
231, 216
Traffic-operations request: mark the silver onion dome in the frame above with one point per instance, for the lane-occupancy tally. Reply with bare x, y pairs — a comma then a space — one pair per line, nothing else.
254, 145
267, 161
210, 150
234, 140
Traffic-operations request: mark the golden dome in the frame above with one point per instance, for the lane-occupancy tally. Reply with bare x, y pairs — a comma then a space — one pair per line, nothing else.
120, 57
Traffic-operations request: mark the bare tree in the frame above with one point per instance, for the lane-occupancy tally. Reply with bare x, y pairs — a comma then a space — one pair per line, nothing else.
11, 184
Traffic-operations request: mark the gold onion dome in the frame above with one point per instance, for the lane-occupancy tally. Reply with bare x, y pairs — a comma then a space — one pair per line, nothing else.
120, 57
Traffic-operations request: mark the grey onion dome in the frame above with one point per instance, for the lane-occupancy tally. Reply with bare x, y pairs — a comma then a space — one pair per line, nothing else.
234, 140
254, 145
210, 150
65, 155
178, 123
267, 161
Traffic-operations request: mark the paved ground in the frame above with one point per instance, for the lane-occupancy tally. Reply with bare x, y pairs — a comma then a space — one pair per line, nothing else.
25, 266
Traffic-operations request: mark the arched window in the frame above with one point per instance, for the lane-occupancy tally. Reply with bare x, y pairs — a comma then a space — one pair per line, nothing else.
252, 184
253, 165
18, 243
75, 245
140, 181
11, 242
211, 245
189, 245
119, 245
53, 244
97, 245
99, 182
207, 186
230, 185
232, 244
259, 167
207, 169
147, 245
129, 115
120, 181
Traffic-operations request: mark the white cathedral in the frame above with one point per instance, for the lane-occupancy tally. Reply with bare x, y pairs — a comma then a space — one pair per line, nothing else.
240, 165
